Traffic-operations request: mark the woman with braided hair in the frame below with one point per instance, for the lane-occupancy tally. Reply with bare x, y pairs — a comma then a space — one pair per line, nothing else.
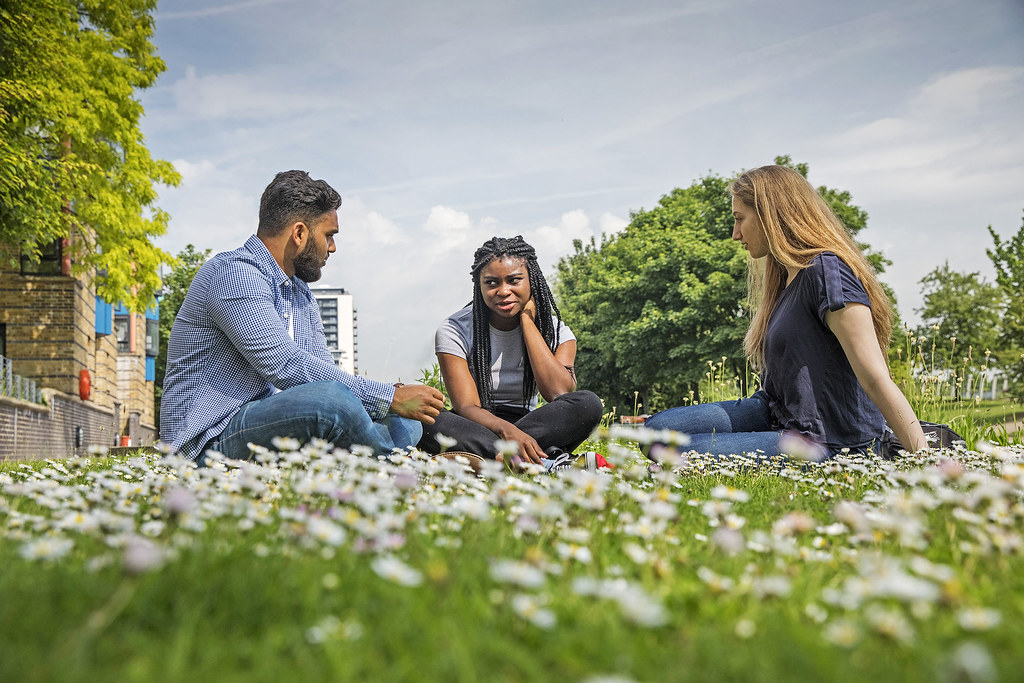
498, 352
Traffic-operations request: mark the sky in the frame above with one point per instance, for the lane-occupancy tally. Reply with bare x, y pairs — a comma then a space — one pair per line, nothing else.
445, 123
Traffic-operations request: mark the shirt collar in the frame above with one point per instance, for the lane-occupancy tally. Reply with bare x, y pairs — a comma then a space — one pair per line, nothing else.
269, 265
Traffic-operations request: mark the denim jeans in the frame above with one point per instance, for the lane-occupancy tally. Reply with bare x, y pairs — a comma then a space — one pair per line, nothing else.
725, 428
323, 410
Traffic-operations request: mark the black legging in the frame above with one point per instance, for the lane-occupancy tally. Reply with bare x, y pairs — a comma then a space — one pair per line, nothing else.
564, 423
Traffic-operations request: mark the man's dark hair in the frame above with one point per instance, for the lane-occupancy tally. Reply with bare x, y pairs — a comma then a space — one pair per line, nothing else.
480, 355
291, 197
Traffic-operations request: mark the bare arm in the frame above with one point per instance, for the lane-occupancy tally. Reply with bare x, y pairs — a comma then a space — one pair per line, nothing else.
466, 402
853, 328
550, 370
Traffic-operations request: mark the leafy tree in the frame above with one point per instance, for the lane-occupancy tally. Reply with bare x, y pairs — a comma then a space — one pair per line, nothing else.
655, 303
72, 159
174, 290
960, 306
1008, 259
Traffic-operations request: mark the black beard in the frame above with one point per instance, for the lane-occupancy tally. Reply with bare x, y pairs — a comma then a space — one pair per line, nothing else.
308, 264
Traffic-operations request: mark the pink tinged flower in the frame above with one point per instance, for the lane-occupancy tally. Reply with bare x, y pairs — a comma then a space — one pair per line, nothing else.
405, 480
142, 555
179, 500
799, 448
729, 540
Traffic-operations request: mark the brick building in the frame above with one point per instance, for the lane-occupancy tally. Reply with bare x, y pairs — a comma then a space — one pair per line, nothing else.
52, 328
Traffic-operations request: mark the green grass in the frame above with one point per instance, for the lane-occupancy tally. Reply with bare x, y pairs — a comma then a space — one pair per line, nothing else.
272, 599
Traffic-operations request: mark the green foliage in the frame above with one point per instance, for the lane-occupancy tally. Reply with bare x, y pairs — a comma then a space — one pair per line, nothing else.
1008, 259
961, 307
650, 302
432, 378
175, 287
72, 159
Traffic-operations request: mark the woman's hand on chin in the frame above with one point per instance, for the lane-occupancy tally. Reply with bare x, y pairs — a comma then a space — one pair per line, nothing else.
530, 309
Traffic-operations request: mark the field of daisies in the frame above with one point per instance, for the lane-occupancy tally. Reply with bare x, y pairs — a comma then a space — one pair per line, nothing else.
310, 563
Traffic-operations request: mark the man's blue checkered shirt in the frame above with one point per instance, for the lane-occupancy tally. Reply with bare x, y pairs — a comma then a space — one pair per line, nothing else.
230, 345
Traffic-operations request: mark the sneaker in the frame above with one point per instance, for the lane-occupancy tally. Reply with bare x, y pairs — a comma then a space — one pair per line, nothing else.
557, 459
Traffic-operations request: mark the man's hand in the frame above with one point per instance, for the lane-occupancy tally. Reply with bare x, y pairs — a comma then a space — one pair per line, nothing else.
417, 402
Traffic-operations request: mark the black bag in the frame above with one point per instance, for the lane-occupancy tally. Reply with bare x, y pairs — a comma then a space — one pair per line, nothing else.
938, 435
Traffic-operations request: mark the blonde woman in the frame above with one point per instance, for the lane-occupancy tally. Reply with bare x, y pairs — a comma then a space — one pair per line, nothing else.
820, 327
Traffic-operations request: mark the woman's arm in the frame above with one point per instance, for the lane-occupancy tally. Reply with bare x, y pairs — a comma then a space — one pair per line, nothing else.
855, 331
466, 402
550, 370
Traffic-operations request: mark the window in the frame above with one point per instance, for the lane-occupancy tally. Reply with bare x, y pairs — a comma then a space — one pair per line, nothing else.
3, 339
121, 332
152, 336
50, 258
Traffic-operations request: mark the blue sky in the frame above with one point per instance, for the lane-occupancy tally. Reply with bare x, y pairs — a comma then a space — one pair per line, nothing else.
444, 123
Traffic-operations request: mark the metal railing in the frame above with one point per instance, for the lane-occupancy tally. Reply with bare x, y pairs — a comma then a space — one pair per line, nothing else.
16, 386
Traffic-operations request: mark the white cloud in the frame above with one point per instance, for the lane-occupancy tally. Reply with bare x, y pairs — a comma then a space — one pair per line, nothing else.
611, 224
553, 242
365, 226
268, 93
194, 173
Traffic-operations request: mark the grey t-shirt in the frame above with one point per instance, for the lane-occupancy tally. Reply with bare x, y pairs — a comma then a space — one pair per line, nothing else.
508, 354
810, 384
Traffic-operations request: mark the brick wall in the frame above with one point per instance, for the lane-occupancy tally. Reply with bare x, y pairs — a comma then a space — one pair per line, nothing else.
50, 324
29, 431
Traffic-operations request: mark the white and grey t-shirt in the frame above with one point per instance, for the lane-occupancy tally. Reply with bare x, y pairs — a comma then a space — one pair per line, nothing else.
508, 354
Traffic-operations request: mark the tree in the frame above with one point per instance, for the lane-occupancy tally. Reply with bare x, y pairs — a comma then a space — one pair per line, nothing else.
72, 159
655, 303
1008, 260
960, 306
174, 290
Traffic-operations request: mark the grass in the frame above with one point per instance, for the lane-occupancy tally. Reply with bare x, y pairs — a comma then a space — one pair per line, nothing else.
321, 565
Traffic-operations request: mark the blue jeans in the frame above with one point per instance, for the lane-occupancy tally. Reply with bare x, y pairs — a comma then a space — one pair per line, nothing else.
323, 410
725, 428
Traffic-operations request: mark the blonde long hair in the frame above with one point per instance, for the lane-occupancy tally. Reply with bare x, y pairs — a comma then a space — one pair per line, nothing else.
798, 225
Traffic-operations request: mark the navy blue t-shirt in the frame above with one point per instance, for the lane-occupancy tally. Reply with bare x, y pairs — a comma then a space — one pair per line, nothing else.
810, 384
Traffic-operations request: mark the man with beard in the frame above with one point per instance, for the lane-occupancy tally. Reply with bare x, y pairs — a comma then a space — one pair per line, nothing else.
247, 359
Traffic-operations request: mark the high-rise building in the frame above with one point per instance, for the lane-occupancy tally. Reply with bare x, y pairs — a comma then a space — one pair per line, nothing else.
338, 313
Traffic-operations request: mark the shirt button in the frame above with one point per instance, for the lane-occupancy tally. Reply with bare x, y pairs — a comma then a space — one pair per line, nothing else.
285, 315
287, 283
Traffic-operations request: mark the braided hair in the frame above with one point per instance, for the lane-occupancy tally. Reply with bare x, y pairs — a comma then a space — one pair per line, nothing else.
480, 356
